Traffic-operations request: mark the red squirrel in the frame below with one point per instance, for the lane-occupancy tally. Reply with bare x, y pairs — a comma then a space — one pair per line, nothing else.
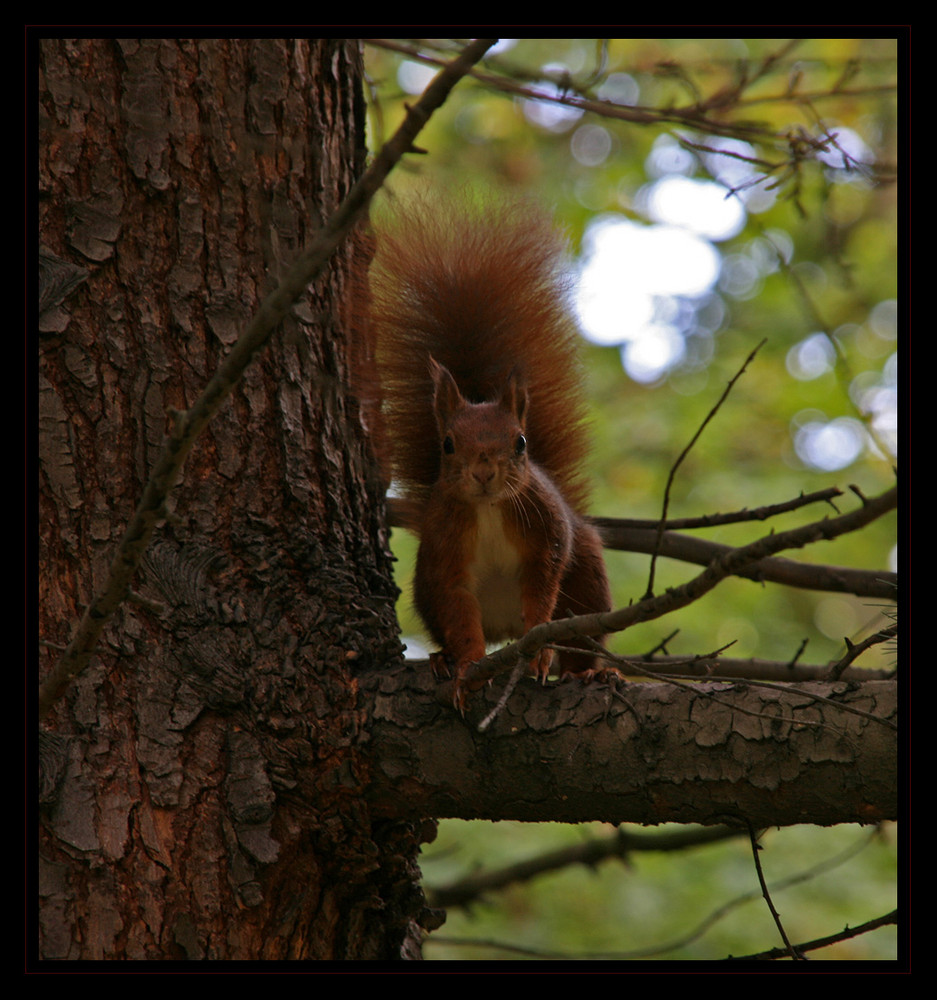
483, 407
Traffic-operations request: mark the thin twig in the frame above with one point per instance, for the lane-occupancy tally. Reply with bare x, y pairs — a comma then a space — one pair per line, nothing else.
785, 883
846, 934
756, 847
752, 668
732, 517
855, 648
676, 465
520, 669
636, 667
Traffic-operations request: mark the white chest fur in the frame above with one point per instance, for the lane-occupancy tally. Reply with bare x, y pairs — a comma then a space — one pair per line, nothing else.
496, 577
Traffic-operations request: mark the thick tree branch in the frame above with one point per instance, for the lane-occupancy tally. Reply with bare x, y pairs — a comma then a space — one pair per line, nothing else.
654, 753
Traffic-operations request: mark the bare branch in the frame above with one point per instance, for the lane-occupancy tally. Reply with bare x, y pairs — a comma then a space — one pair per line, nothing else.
733, 517
784, 883
807, 576
854, 649
705, 667
662, 755
844, 935
756, 847
590, 853
634, 666
727, 564
660, 950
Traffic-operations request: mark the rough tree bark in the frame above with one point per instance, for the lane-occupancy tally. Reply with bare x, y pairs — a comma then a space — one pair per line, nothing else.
202, 778
243, 770
733, 753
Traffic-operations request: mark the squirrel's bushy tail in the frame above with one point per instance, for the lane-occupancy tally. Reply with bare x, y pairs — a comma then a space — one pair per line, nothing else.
482, 287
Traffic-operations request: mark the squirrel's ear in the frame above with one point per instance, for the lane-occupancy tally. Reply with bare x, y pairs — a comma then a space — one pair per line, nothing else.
446, 396
514, 397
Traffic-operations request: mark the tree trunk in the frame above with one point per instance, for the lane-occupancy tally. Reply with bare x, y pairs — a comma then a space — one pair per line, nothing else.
201, 780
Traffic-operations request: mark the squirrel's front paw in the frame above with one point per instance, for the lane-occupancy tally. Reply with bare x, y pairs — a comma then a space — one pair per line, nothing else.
460, 697
541, 663
440, 663
464, 685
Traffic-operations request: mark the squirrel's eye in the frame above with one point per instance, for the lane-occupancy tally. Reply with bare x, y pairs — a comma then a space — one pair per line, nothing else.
448, 445
520, 445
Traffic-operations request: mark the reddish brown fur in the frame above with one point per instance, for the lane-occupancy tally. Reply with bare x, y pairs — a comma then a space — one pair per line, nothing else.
482, 294
484, 408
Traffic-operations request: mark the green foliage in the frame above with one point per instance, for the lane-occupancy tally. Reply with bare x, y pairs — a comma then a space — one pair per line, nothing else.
700, 903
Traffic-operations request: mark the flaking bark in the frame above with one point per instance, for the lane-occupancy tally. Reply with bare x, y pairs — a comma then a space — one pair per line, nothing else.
639, 753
